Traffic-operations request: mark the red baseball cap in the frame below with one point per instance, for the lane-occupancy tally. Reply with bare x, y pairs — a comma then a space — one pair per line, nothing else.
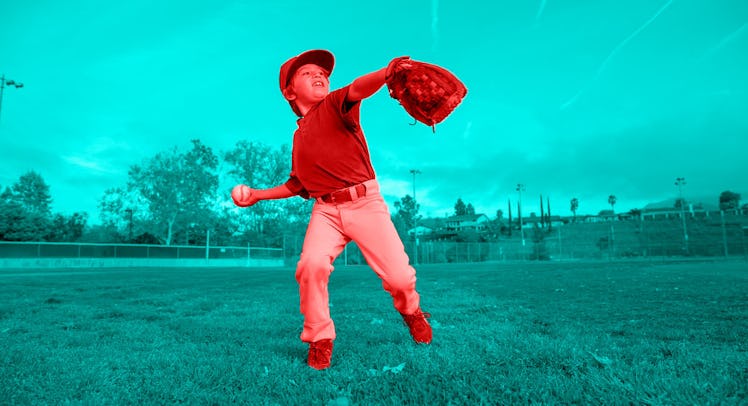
319, 57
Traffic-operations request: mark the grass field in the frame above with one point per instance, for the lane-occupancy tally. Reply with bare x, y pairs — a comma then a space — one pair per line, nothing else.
600, 333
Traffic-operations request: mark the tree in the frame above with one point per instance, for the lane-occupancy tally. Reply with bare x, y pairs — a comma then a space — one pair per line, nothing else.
680, 203
122, 211
402, 229
407, 211
17, 224
494, 228
260, 166
574, 207
460, 208
539, 249
67, 228
469, 209
7, 215
519, 217
32, 192
467, 236
612, 203
25, 211
542, 212
729, 200
509, 209
111, 206
24, 228
178, 187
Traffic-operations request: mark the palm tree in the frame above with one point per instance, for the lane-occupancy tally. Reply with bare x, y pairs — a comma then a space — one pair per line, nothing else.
612, 202
574, 207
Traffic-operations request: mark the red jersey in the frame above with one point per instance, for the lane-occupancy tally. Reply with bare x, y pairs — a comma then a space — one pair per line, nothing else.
329, 148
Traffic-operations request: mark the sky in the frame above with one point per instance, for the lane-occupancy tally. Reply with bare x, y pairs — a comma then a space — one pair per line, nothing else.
570, 98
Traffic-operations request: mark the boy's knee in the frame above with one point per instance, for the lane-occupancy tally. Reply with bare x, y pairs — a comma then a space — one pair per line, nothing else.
313, 268
405, 281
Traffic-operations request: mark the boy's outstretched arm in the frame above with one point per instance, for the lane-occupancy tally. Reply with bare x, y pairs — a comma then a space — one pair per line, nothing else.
245, 196
366, 85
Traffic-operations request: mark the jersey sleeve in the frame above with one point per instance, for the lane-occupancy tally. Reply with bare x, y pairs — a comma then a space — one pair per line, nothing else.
294, 185
349, 112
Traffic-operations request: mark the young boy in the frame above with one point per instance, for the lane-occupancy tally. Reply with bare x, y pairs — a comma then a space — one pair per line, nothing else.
331, 164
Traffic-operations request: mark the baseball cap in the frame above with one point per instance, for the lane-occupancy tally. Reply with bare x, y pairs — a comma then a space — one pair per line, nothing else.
319, 57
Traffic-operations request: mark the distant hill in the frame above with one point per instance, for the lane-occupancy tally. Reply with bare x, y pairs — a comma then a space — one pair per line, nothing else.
708, 203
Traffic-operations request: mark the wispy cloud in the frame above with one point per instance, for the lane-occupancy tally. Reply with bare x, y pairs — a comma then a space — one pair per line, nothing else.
540, 11
613, 53
434, 24
99, 156
725, 41
468, 127
88, 163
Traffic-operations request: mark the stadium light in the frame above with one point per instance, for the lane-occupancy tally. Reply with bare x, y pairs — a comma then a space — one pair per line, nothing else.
10, 83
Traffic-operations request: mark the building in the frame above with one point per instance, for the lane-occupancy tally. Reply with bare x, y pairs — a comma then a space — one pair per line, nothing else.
529, 222
475, 222
421, 231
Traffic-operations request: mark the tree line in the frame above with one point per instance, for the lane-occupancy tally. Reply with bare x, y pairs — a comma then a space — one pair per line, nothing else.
175, 197
728, 200
183, 197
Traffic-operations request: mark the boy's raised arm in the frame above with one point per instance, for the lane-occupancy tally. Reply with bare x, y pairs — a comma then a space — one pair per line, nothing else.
366, 85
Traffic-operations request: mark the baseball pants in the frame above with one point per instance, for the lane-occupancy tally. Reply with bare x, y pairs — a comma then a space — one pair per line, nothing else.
365, 220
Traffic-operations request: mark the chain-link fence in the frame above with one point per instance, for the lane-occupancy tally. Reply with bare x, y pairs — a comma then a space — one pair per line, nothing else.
666, 236
76, 251
720, 235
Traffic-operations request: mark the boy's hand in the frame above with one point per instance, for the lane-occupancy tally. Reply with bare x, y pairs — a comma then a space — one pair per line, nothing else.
397, 65
243, 196
429, 93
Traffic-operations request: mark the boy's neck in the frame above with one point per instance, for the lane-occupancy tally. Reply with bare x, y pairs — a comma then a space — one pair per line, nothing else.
305, 108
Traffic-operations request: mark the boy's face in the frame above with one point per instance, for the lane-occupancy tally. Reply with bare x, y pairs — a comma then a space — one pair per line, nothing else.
310, 84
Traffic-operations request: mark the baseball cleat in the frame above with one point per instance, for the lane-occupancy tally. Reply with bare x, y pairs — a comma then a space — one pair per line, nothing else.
419, 328
320, 353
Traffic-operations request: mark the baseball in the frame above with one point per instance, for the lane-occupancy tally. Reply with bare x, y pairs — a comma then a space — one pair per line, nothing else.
240, 194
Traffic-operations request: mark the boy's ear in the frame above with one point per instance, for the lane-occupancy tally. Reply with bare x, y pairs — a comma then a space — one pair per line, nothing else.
289, 94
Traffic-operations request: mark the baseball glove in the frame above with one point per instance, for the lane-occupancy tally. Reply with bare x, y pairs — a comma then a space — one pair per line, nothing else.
429, 93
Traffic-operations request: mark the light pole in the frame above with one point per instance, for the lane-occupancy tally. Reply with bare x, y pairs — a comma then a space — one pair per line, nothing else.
612, 202
8, 82
520, 189
680, 182
415, 216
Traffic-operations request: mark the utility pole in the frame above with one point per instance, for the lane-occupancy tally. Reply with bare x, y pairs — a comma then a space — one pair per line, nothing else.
542, 212
520, 189
207, 244
680, 182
